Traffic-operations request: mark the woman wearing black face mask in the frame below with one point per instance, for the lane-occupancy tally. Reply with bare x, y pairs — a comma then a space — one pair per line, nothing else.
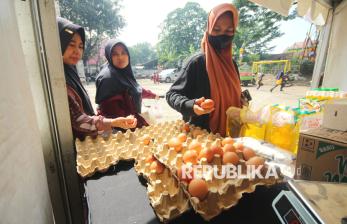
210, 74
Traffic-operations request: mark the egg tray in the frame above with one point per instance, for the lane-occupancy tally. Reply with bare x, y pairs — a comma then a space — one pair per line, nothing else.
223, 193
166, 197
98, 154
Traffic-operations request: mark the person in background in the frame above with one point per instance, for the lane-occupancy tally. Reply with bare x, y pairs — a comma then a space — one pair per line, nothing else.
281, 80
83, 120
211, 73
260, 79
117, 91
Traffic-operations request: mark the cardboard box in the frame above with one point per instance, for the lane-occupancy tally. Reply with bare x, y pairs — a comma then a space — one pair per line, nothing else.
334, 116
322, 155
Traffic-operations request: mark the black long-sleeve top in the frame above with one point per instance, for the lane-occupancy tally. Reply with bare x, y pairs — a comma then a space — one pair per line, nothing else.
192, 83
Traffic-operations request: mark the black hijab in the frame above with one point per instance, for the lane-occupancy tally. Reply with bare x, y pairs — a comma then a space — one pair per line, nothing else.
112, 81
66, 31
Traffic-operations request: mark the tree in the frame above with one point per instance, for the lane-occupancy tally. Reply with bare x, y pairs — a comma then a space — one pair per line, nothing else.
257, 27
142, 53
100, 18
181, 33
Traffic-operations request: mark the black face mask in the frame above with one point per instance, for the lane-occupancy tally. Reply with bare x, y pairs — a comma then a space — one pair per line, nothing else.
220, 42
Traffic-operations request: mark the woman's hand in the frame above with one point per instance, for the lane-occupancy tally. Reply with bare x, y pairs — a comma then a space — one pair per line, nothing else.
125, 122
200, 111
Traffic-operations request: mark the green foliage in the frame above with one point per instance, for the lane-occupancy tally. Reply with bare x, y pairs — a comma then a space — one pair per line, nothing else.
100, 18
181, 33
142, 53
257, 27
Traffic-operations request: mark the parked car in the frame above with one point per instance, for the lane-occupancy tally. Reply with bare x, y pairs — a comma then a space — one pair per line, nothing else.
168, 75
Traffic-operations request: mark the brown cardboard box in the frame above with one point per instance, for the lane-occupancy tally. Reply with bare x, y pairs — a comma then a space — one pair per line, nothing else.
322, 155
334, 115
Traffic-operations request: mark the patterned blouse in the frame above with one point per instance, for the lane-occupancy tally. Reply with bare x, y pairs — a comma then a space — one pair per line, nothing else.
82, 124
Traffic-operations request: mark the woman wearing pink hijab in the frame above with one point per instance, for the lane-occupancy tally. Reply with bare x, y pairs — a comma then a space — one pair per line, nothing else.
211, 74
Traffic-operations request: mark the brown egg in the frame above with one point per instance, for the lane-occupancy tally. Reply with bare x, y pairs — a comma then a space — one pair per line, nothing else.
182, 137
146, 139
157, 167
198, 188
185, 127
197, 132
248, 153
175, 143
150, 159
207, 104
228, 140
188, 177
229, 148
199, 101
195, 145
230, 158
190, 156
217, 150
206, 153
238, 146
256, 160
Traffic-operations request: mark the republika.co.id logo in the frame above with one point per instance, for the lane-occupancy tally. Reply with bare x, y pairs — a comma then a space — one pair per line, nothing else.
229, 171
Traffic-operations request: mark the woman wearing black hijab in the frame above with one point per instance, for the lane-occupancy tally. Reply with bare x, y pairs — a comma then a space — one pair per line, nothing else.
117, 91
83, 120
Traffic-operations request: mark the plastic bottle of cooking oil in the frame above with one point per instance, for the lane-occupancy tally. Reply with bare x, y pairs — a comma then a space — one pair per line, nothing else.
282, 130
254, 123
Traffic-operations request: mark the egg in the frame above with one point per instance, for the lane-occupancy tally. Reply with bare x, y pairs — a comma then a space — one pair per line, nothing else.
182, 137
146, 139
228, 140
206, 153
157, 167
187, 177
195, 145
150, 159
248, 153
190, 156
230, 158
175, 143
229, 148
197, 132
207, 104
256, 160
217, 150
238, 146
199, 101
198, 188
185, 127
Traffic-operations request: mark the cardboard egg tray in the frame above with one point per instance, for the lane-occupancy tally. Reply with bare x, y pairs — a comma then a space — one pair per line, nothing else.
223, 193
97, 155
166, 196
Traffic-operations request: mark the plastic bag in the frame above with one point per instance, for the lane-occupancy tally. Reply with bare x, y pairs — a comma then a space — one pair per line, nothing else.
154, 113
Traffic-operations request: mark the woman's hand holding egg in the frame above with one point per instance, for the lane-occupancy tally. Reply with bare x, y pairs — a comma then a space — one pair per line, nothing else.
203, 106
125, 122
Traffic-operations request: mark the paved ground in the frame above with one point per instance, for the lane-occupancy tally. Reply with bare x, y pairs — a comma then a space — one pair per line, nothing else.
261, 97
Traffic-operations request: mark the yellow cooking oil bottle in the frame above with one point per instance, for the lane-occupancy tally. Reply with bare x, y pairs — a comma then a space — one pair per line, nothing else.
282, 128
254, 122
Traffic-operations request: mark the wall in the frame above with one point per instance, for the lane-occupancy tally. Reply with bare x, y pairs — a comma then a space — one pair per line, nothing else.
24, 191
335, 74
